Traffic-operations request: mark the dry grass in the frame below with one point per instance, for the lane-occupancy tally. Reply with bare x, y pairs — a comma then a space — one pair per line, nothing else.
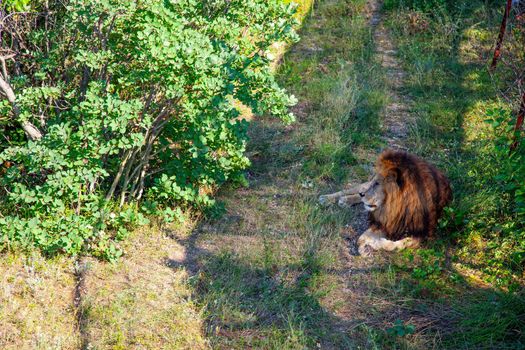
143, 301
36, 303
276, 271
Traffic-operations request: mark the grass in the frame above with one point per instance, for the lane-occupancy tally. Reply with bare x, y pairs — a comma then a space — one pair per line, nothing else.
35, 303
143, 301
445, 56
268, 266
276, 271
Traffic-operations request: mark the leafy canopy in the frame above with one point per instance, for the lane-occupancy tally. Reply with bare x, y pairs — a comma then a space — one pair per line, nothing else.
138, 103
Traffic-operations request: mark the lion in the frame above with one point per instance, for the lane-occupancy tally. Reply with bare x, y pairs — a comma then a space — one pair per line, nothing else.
404, 200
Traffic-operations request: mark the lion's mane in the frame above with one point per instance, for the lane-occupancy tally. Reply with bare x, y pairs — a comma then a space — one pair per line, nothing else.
415, 195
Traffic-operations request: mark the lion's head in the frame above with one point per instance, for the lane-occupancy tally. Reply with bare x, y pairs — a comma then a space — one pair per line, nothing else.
406, 195
374, 193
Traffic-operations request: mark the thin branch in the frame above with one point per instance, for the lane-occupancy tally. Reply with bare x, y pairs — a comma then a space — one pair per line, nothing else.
519, 125
502, 30
118, 176
4, 66
31, 131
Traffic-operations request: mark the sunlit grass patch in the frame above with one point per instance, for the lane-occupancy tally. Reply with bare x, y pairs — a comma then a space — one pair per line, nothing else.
145, 299
303, 8
36, 309
453, 95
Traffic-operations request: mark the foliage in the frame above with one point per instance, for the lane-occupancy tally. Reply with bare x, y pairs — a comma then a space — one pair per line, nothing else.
400, 329
512, 171
430, 6
430, 264
509, 243
17, 5
134, 100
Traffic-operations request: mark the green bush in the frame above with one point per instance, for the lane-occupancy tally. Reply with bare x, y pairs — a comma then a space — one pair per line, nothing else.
134, 100
496, 218
509, 247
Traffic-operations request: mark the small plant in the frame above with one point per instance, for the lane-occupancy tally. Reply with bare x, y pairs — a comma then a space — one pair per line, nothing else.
429, 265
401, 329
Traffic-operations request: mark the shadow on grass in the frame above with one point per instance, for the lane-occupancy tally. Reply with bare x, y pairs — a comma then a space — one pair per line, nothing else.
479, 317
247, 305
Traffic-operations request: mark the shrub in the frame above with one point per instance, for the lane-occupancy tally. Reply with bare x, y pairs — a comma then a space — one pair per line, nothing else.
493, 226
131, 100
509, 248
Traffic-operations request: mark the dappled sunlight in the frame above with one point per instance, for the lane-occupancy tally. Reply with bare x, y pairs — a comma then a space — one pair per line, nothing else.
476, 129
260, 263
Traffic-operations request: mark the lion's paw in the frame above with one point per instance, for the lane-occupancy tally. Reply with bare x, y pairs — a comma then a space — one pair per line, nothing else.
365, 250
410, 242
325, 200
342, 203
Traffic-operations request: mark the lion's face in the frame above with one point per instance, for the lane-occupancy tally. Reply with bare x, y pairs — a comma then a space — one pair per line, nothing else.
373, 194
405, 196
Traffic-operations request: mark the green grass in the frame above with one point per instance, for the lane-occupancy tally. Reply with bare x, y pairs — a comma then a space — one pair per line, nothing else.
445, 56
273, 271
270, 278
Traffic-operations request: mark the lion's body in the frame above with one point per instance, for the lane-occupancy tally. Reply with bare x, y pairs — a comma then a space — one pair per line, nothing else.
414, 202
404, 199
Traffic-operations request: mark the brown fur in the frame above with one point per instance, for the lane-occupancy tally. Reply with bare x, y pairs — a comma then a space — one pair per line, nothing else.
415, 195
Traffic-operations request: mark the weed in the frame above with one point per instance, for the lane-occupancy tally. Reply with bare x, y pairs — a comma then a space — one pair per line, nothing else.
400, 329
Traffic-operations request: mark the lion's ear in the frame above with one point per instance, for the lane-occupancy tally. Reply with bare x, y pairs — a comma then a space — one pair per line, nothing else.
394, 175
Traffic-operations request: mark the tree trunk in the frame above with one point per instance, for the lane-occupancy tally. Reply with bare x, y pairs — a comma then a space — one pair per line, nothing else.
502, 29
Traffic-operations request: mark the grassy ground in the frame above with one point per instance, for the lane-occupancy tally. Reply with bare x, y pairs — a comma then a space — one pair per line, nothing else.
274, 270
278, 276
36, 311
445, 54
270, 266
144, 301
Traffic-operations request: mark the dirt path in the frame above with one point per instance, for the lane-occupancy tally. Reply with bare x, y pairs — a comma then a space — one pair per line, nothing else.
274, 230
397, 117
